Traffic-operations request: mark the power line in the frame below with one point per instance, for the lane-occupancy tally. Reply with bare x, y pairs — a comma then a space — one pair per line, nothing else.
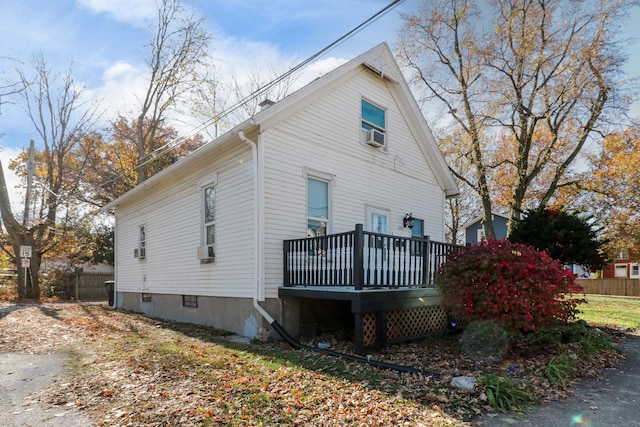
166, 148
170, 146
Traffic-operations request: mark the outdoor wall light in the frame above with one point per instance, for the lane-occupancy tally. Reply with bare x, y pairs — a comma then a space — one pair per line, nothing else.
408, 220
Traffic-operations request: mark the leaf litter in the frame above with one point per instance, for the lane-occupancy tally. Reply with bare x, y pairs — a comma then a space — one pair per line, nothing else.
129, 370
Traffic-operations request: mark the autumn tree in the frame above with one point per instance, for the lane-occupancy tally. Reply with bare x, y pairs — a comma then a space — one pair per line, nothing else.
612, 182
224, 104
176, 52
528, 69
61, 117
461, 209
109, 161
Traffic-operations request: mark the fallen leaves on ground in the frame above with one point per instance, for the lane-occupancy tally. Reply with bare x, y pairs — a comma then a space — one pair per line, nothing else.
126, 369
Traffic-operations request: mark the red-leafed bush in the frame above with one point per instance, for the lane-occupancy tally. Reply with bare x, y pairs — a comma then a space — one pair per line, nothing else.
512, 284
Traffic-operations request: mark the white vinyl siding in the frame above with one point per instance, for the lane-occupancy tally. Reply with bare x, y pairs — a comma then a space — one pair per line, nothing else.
400, 178
172, 214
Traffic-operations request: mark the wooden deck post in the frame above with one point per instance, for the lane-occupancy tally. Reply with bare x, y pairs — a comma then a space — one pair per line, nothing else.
425, 262
359, 332
358, 254
382, 338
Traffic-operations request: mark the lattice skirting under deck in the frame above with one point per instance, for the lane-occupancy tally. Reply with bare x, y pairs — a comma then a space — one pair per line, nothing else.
402, 325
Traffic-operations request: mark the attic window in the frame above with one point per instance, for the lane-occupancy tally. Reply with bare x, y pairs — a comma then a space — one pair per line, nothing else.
372, 117
373, 124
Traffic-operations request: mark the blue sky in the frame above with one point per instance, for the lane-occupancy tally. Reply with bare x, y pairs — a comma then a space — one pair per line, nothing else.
106, 41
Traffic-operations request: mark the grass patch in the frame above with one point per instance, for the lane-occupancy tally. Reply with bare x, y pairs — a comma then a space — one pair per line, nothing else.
560, 369
611, 310
505, 394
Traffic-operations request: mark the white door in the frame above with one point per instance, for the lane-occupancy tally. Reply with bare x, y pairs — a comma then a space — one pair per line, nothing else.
377, 220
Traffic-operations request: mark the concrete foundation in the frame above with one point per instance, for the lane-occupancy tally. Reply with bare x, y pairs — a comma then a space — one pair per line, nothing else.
236, 315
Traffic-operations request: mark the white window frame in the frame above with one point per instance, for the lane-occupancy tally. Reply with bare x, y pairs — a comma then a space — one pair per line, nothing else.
481, 235
330, 179
374, 210
363, 122
634, 274
142, 241
207, 253
368, 123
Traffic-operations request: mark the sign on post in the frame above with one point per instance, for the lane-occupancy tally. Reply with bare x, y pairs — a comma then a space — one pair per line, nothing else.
26, 262
25, 252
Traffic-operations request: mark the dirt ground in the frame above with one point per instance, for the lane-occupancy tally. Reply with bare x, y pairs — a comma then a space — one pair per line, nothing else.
40, 346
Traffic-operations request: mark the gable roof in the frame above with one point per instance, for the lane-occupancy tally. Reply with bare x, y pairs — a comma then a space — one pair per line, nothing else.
378, 59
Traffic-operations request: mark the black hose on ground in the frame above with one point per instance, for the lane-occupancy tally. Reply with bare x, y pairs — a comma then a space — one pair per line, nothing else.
400, 368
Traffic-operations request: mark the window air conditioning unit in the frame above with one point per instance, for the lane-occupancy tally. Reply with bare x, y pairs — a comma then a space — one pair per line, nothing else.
206, 253
375, 138
139, 253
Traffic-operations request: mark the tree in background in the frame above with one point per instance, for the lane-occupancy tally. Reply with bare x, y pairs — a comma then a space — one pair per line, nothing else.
540, 75
111, 161
61, 118
461, 209
613, 183
177, 51
566, 236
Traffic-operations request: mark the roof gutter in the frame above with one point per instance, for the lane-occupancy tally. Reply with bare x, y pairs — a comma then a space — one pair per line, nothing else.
258, 230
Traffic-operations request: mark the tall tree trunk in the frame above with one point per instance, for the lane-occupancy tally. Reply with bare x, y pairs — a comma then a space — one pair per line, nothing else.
28, 286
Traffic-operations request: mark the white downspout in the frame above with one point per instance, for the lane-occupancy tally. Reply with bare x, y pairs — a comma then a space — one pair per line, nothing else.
258, 208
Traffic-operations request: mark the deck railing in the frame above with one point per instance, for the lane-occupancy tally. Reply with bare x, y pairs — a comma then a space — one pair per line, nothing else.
363, 260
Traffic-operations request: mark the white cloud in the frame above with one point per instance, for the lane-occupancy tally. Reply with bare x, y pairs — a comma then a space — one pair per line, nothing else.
129, 11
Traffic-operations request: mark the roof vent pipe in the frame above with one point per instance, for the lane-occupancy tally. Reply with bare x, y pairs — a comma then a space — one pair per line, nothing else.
265, 104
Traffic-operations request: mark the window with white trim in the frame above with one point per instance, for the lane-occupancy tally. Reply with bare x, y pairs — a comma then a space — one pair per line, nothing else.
317, 207
373, 124
209, 220
377, 222
481, 235
142, 242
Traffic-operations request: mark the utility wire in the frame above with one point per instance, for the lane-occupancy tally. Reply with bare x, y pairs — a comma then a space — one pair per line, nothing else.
166, 148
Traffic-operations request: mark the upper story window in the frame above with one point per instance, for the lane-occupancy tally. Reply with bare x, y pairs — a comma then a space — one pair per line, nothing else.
317, 207
373, 124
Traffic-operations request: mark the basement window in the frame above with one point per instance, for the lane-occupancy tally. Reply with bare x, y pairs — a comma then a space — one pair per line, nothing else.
190, 301
146, 297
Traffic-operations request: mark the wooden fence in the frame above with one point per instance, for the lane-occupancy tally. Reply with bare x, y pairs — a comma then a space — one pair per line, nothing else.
621, 287
87, 286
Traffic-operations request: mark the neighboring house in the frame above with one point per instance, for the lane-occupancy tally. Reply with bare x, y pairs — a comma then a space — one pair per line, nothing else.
301, 213
474, 232
622, 269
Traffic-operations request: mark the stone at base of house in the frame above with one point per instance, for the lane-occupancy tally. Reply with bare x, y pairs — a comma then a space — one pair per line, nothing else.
237, 315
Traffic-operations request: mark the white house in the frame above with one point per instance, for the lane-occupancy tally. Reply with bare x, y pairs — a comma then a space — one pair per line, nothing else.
202, 241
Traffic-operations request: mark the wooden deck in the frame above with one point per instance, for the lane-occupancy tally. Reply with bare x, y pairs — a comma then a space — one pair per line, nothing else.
388, 281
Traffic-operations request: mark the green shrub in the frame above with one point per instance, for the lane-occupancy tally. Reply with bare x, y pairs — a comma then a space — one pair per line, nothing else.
565, 236
504, 394
559, 369
512, 284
